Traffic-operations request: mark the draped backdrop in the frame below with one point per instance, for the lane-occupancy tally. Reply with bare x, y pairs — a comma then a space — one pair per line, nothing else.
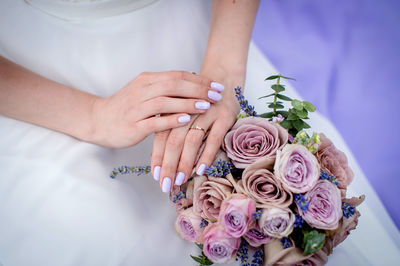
344, 55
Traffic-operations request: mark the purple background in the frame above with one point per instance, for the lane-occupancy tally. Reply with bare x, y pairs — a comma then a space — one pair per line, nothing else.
344, 55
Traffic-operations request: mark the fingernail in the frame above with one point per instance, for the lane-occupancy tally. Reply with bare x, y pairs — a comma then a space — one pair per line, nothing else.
179, 178
217, 86
166, 185
157, 171
184, 119
202, 105
215, 96
201, 169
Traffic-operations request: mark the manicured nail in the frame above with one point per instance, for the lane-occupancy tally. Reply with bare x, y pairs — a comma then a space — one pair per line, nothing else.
184, 119
217, 86
179, 178
156, 171
202, 105
215, 96
166, 185
201, 169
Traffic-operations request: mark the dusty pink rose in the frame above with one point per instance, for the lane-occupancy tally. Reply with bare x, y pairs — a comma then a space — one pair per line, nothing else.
236, 214
209, 192
252, 138
262, 186
256, 237
334, 162
325, 206
218, 245
187, 225
297, 168
277, 222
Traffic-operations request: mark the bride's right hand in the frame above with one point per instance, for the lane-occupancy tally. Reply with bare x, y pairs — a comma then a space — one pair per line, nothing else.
130, 115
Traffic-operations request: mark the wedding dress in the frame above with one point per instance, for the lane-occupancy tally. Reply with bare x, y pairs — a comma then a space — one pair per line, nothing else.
57, 204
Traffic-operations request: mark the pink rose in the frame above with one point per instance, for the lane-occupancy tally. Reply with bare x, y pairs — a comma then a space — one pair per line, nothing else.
262, 186
219, 246
252, 138
297, 168
277, 222
209, 192
187, 225
334, 162
324, 206
256, 237
236, 214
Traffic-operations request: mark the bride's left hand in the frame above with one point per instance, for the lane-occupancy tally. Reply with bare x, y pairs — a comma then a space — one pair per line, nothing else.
175, 151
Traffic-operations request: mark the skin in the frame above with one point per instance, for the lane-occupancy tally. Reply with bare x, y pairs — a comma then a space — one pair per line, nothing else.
118, 121
225, 62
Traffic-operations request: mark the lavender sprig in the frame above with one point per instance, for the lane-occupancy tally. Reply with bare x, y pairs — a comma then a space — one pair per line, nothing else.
124, 170
243, 253
257, 214
326, 176
258, 258
301, 202
298, 222
347, 209
244, 104
285, 242
220, 169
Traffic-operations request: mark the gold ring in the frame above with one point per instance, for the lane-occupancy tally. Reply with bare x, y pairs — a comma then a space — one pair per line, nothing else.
198, 128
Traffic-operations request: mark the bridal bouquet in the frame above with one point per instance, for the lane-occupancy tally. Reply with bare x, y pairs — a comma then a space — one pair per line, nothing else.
274, 196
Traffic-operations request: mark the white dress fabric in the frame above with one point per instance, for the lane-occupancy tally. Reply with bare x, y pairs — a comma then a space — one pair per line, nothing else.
57, 204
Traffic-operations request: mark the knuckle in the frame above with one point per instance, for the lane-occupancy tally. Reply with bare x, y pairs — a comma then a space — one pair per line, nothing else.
192, 138
178, 74
162, 135
159, 104
174, 141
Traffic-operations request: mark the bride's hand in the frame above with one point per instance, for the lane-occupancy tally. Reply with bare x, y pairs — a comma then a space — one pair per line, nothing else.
175, 151
128, 116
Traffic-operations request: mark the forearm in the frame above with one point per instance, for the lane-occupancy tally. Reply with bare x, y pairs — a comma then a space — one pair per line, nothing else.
230, 32
29, 97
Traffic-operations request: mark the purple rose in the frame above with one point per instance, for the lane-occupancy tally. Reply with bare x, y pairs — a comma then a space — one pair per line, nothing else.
252, 138
236, 214
187, 225
324, 206
218, 245
277, 222
297, 168
256, 237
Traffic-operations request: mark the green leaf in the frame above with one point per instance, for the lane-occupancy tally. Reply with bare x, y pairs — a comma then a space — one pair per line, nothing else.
269, 95
309, 106
297, 104
200, 246
197, 259
298, 124
312, 242
276, 106
301, 113
287, 78
283, 97
306, 125
283, 113
278, 88
267, 115
292, 116
208, 262
286, 124
272, 77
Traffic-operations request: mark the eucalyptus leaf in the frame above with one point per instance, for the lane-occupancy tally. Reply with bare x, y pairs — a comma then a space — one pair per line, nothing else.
278, 88
298, 124
286, 124
306, 125
197, 259
269, 95
267, 115
276, 106
297, 104
283, 113
272, 77
309, 106
208, 262
312, 242
287, 78
283, 97
292, 116
301, 113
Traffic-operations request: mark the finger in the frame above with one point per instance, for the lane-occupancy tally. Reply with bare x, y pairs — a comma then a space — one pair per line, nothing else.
173, 149
183, 89
163, 105
161, 123
160, 138
190, 150
154, 77
213, 144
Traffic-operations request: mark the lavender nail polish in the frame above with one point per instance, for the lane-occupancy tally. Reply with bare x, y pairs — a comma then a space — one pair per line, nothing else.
157, 171
180, 177
166, 185
184, 119
202, 105
201, 169
215, 96
217, 86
